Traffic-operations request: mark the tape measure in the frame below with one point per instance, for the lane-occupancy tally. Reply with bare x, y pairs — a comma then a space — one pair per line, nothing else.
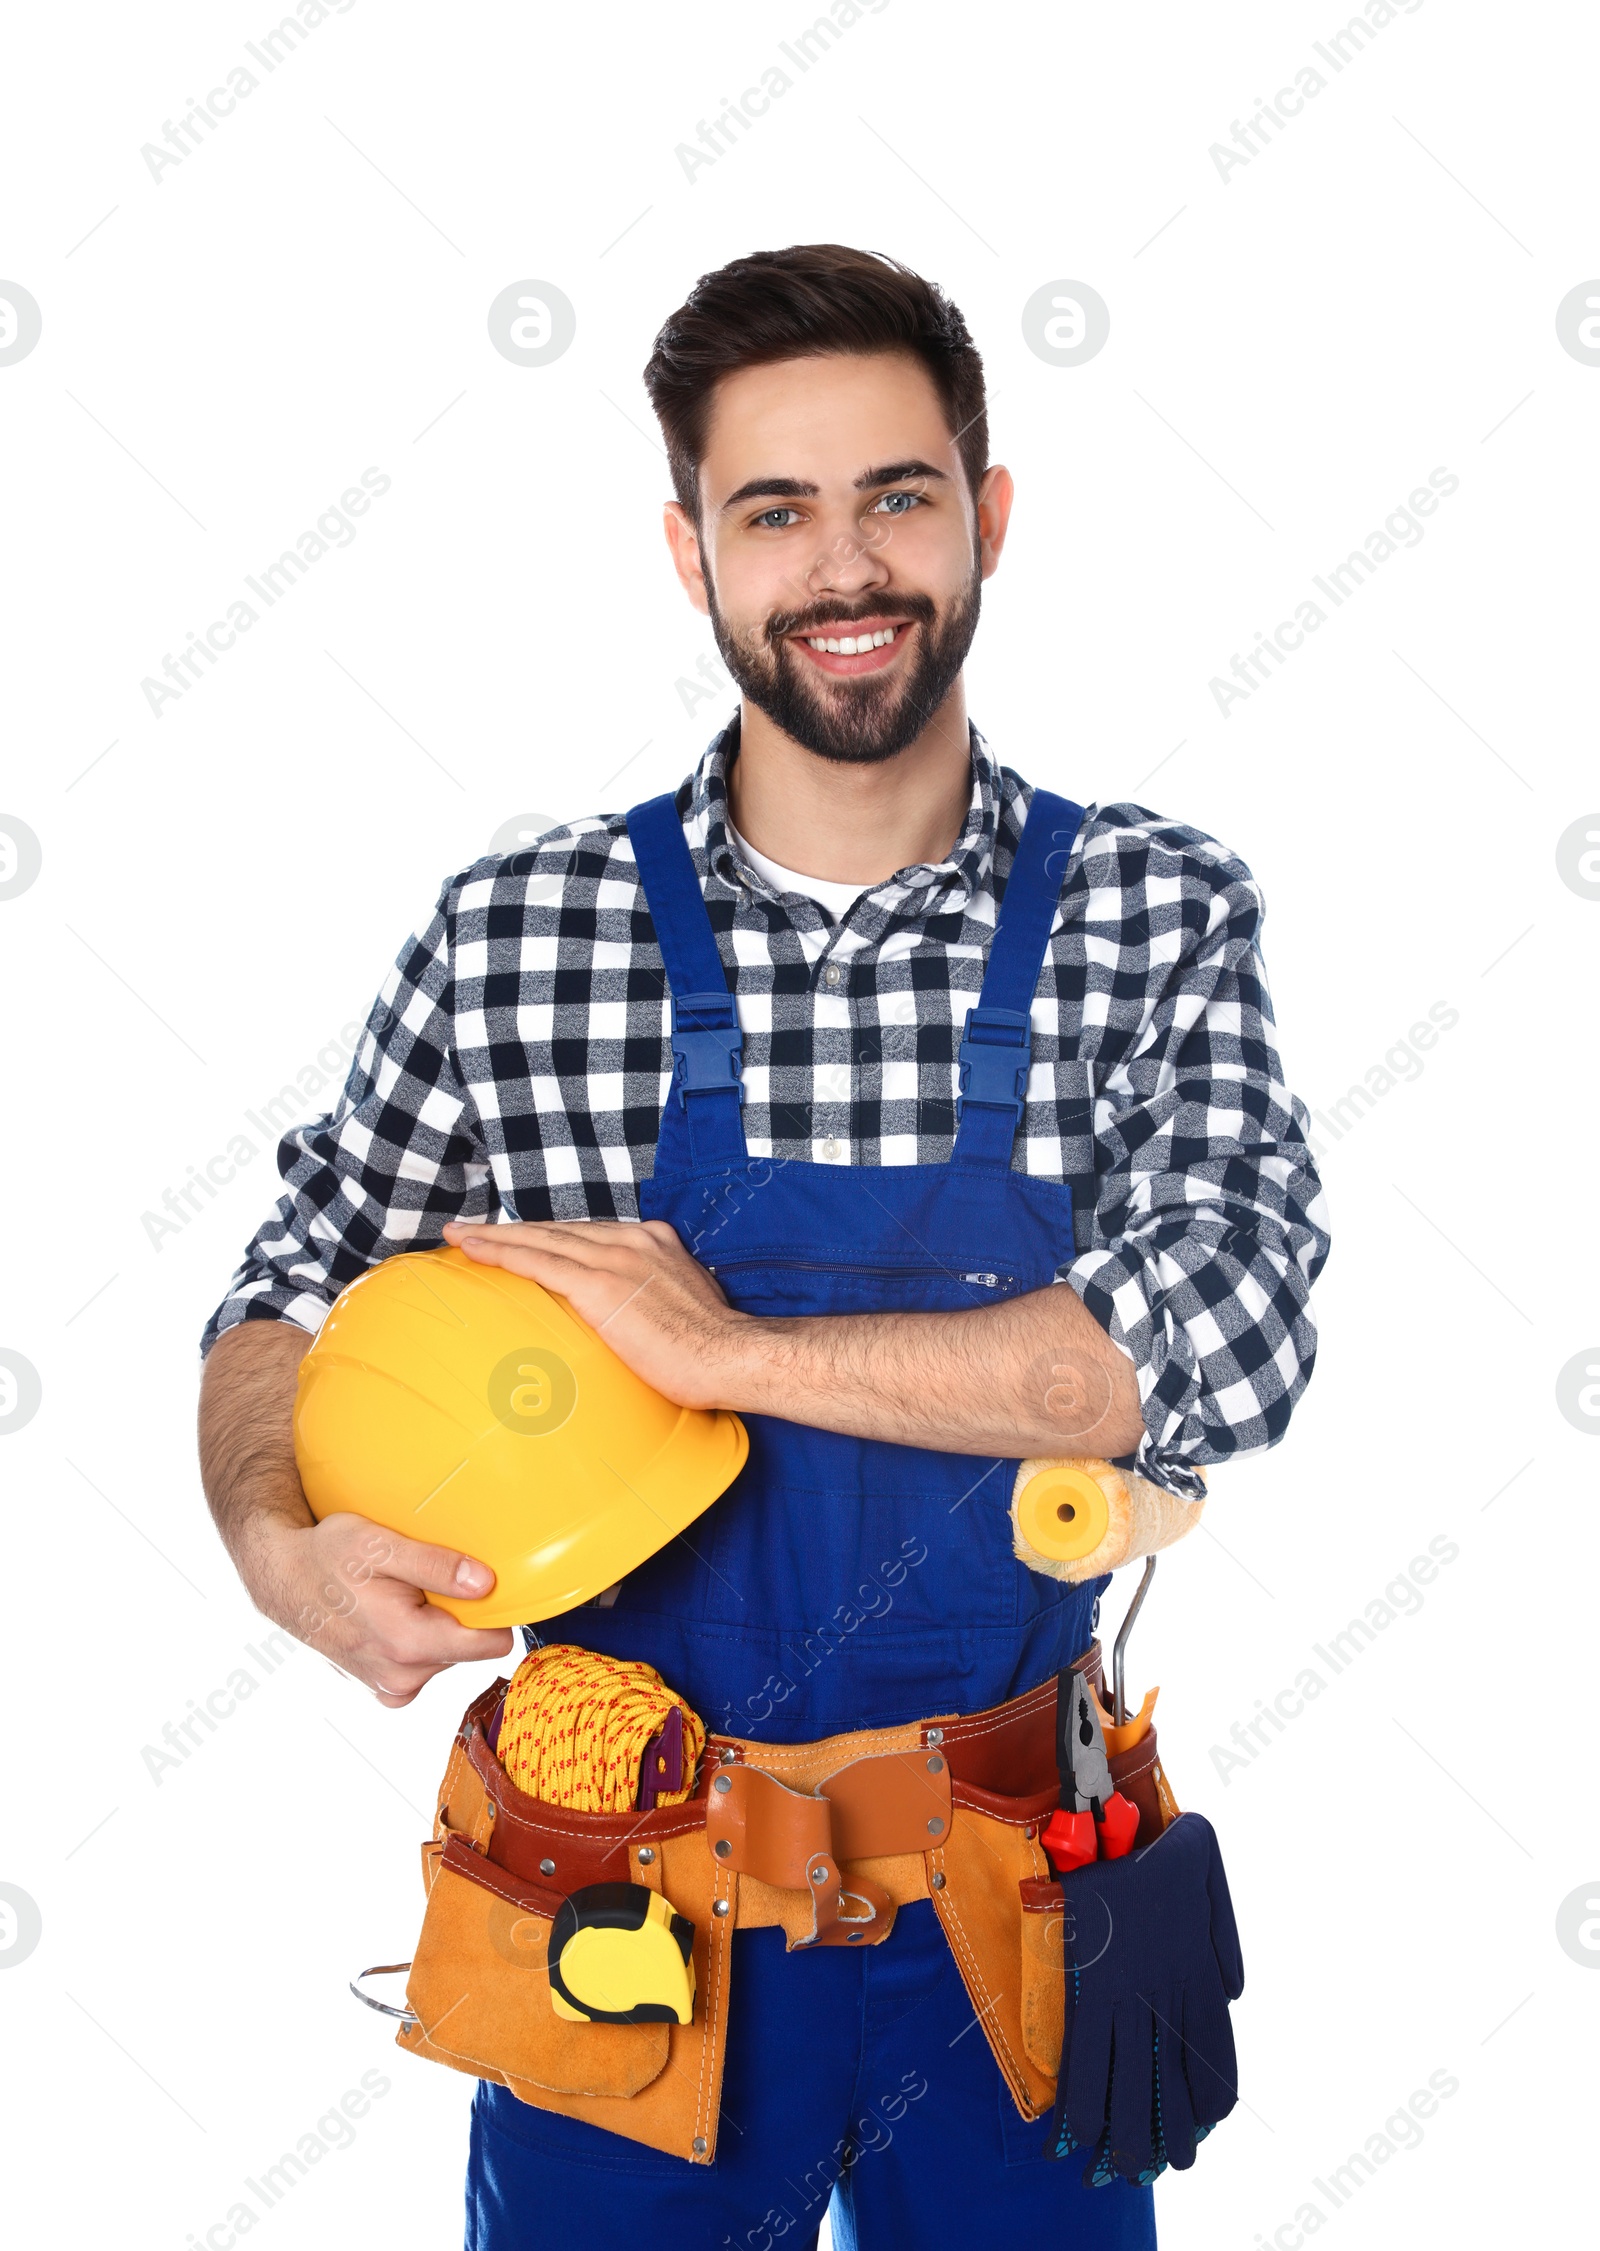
621, 1954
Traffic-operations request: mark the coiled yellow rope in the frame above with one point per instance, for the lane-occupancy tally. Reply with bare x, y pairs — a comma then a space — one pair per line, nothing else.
576, 1724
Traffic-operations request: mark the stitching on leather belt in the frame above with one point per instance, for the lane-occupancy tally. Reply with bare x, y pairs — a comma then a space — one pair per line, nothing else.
1005, 1715
497, 1782
1137, 1760
1019, 1809
1002, 1716
600, 1842
1016, 1813
799, 1840
966, 1954
797, 1754
462, 1860
714, 2018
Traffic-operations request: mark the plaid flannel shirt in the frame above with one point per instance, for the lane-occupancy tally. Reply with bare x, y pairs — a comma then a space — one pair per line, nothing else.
516, 1060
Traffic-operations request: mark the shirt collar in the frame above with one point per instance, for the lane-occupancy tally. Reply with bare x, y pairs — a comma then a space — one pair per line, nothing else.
929, 887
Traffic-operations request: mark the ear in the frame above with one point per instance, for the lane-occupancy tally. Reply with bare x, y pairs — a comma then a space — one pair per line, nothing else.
684, 542
995, 495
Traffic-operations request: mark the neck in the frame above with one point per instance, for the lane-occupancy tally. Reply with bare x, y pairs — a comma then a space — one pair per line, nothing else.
852, 824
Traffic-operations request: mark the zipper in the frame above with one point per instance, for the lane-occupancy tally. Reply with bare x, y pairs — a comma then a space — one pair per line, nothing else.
984, 1280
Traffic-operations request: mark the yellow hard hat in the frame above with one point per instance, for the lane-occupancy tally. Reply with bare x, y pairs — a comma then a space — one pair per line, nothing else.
456, 1403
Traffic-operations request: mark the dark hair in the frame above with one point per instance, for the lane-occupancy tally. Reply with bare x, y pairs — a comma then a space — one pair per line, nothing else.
816, 297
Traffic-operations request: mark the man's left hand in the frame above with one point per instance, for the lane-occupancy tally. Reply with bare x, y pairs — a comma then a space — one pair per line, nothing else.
635, 1285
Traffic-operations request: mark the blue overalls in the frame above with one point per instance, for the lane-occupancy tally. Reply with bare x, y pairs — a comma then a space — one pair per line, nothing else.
839, 1583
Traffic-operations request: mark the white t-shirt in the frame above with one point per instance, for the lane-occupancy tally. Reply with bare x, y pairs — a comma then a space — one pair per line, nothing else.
838, 898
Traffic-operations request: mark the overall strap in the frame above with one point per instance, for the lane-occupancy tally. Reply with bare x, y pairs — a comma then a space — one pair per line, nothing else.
996, 1046
702, 1114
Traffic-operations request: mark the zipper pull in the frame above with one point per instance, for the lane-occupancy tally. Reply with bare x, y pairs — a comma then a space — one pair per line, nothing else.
989, 1281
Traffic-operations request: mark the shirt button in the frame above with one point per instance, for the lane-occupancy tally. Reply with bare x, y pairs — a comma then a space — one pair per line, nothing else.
832, 974
830, 1151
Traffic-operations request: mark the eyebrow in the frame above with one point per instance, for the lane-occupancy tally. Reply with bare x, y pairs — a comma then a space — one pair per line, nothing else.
796, 488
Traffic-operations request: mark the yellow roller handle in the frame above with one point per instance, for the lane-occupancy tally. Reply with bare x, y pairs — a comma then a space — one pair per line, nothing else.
1075, 1517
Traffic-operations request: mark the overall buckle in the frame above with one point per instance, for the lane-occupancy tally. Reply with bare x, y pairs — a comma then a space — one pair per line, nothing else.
996, 1050
706, 1044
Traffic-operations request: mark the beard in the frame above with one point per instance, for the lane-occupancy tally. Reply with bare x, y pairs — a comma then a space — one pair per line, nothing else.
861, 721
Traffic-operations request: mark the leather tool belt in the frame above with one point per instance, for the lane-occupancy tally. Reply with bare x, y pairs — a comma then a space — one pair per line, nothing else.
826, 1839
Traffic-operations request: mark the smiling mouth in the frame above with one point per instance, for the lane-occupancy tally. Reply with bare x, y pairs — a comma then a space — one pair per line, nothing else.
866, 645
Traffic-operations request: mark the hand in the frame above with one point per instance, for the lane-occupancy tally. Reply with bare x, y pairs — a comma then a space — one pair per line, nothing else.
636, 1285
353, 1591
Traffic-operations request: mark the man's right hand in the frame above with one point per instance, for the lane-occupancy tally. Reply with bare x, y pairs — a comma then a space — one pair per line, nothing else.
346, 1586
357, 1593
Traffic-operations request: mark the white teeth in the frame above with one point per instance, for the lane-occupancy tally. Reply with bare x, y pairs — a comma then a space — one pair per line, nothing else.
852, 644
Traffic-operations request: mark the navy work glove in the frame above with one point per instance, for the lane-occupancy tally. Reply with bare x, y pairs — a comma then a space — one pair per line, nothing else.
1152, 1961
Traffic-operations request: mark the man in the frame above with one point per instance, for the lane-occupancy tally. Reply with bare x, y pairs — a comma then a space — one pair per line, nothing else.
849, 1217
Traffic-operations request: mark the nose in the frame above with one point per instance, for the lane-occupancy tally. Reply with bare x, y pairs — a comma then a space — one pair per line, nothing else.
844, 563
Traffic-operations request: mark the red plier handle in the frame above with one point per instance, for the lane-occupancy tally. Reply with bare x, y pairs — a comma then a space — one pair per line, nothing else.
1072, 1840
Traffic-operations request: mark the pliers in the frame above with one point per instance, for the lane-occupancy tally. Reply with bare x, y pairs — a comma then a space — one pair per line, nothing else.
1094, 1821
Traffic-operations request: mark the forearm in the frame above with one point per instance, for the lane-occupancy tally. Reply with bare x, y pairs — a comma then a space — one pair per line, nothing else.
247, 1463
1035, 1375
352, 1589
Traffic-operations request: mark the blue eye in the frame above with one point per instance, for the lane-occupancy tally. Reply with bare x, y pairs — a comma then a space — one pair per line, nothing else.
770, 516
898, 503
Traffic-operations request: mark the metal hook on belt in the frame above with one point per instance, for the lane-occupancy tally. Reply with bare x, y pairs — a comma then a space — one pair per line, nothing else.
384, 2008
1119, 1648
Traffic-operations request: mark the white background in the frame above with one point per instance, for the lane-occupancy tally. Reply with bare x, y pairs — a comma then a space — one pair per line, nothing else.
1292, 351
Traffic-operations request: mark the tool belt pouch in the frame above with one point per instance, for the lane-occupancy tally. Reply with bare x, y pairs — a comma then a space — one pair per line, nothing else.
497, 1868
980, 1879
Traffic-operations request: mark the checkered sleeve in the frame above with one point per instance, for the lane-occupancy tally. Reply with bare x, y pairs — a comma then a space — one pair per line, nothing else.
1210, 1225
400, 1153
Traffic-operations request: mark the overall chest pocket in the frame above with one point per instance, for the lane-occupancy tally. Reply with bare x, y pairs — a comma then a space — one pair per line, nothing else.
831, 1281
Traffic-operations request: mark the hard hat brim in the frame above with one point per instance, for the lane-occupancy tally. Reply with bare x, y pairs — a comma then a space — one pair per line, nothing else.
648, 1510
452, 1402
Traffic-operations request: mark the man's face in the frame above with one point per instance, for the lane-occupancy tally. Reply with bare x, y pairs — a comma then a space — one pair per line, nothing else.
834, 508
